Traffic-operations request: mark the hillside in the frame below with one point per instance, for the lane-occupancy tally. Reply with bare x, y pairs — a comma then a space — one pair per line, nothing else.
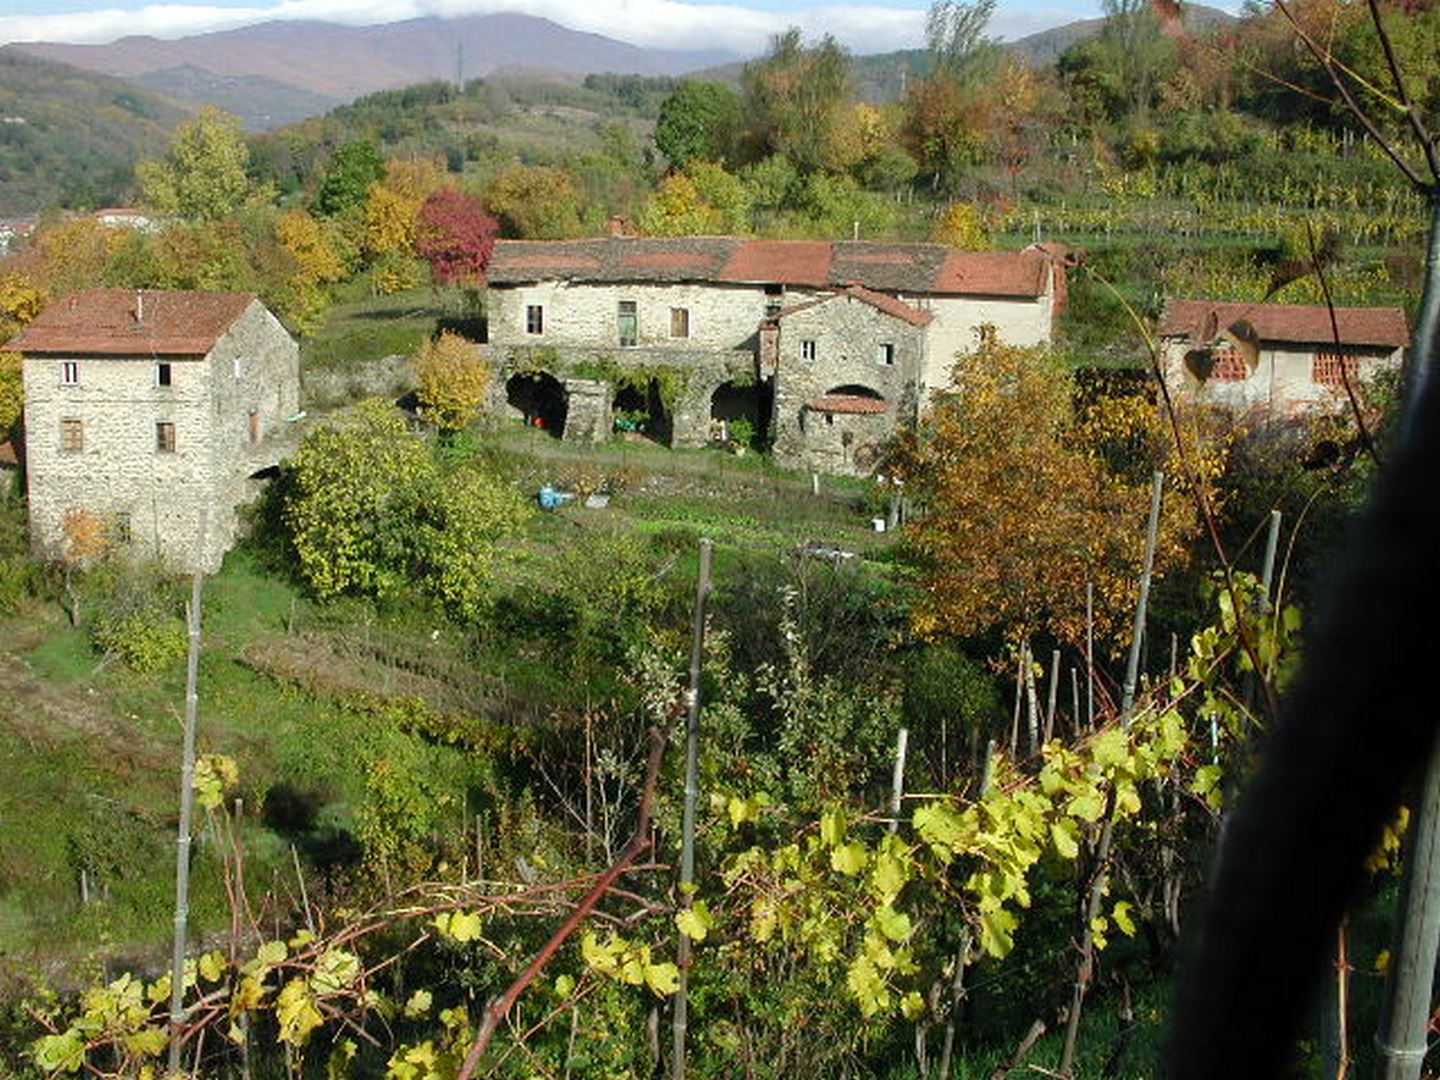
73, 136
278, 72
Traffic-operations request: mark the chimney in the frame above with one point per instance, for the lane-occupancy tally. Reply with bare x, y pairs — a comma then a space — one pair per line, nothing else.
139, 308
618, 225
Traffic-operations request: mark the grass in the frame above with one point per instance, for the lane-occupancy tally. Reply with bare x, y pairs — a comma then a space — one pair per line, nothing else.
372, 327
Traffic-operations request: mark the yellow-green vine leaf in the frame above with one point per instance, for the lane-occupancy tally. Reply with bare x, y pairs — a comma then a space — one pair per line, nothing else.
696, 921
418, 1005
663, 978
212, 966
64, 1052
912, 1005
296, 1012
849, 858
1121, 915
832, 828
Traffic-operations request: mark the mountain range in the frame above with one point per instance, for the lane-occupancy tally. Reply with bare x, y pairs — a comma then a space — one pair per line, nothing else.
274, 73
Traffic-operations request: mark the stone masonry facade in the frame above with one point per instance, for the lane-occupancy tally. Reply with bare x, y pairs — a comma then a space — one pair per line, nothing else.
146, 438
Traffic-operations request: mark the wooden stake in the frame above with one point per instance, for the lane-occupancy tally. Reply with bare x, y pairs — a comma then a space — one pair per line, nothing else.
1054, 691
897, 780
692, 793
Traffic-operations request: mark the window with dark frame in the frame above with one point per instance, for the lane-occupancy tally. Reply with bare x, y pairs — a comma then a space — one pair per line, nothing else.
72, 436
885, 354
69, 373
162, 374
679, 322
629, 320
164, 437
807, 349
534, 319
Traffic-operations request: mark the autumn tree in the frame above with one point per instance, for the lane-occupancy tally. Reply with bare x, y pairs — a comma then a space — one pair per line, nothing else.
312, 248
535, 202
21, 299
452, 379
12, 392
1028, 496
699, 120
204, 177
704, 200
455, 236
795, 100
74, 253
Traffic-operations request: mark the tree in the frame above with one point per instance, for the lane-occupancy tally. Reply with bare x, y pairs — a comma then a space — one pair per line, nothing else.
371, 511
205, 177
74, 254
12, 392
453, 380
355, 166
21, 299
698, 120
535, 202
1027, 497
704, 200
955, 35
961, 226
795, 98
946, 112
455, 236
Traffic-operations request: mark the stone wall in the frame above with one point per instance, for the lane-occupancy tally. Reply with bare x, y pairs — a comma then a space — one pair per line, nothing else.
847, 336
574, 315
121, 474
584, 371
1280, 385
389, 377
955, 329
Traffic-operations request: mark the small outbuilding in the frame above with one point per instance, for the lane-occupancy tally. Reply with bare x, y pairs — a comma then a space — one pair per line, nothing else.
1283, 360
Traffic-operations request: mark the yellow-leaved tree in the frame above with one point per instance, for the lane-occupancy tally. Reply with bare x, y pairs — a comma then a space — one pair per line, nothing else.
453, 380
1027, 494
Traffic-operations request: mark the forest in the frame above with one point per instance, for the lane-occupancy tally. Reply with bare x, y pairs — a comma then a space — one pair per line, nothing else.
728, 771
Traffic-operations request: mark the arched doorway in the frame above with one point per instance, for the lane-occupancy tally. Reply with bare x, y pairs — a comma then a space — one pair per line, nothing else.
639, 409
752, 404
540, 400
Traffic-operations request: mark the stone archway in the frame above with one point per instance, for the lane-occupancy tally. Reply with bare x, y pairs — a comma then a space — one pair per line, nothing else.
539, 399
640, 409
753, 403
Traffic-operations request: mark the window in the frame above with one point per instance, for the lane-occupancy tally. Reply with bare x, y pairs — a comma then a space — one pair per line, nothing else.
885, 354
774, 294
1227, 365
629, 323
165, 437
69, 373
72, 436
237, 366
534, 319
679, 322
1335, 369
807, 349
162, 374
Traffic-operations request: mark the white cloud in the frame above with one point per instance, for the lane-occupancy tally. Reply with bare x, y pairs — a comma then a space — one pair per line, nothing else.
864, 28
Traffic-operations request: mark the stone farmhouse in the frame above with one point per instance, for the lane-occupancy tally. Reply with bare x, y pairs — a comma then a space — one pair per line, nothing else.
824, 347
1280, 361
143, 407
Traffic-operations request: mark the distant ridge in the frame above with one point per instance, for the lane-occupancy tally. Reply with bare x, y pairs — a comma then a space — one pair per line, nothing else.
276, 72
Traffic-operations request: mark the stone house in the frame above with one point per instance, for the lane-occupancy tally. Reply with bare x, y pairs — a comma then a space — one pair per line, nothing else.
791, 335
1276, 360
143, 407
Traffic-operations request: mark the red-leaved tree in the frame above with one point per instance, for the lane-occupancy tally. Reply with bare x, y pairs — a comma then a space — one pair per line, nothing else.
455, 236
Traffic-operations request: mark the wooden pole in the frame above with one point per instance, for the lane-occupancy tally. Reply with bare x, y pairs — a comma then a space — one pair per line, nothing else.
1089, 656
1102, 850
187, 806
897, 781
1054, 692
692, 793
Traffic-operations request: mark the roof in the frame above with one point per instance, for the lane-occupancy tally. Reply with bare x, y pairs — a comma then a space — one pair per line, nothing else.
895, 268
1287, 323
104, 322
880, 301
848, 403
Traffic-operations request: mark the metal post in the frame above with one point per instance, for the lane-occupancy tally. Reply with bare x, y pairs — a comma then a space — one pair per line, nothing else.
692, 794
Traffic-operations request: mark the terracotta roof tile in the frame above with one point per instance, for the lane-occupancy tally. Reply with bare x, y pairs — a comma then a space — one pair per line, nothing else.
788, 262
102, 322
994, 273
1298, 324
880, 301
892, 268
855, 404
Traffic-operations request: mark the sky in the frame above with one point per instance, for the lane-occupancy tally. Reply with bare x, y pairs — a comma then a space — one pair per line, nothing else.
740, 26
